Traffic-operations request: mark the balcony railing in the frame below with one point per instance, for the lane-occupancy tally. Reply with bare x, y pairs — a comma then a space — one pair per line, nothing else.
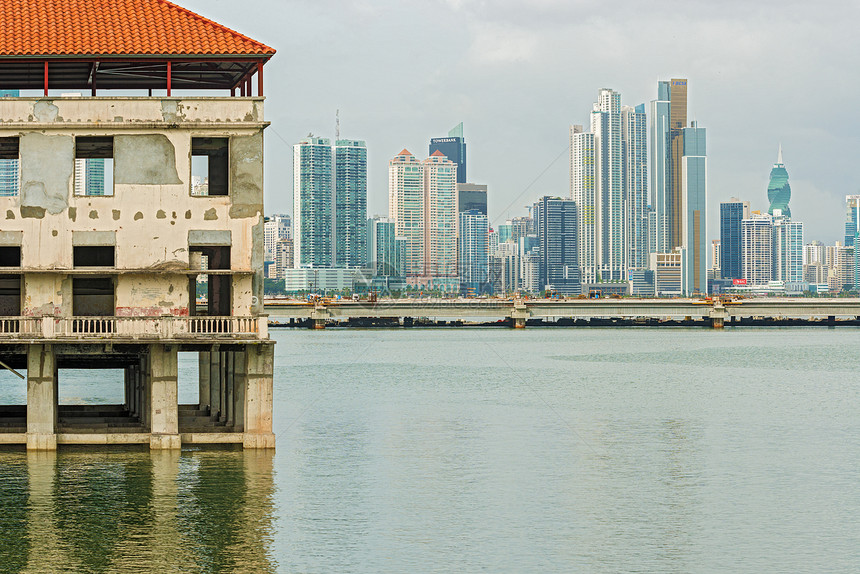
143, 328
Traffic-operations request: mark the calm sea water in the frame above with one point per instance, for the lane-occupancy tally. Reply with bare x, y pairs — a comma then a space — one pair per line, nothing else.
480, 450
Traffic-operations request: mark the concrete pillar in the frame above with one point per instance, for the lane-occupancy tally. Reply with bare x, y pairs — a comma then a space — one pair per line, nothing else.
519, 314
259, 365
203, 360
164, 418
222, 415
214, 383
41, 398
231, 395
240, 381
145, 383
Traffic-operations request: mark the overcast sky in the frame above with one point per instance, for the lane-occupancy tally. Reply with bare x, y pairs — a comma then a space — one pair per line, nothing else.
519, 73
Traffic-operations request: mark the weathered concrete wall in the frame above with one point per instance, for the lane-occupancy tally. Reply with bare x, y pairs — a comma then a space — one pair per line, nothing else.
145, 160
151, 212
151, 295
78, 110
47, 166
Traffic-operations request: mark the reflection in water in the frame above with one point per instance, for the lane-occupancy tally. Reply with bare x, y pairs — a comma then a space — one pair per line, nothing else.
120, 510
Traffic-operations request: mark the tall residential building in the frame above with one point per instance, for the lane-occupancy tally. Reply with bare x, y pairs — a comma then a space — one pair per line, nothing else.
472, 196
312, 203
454, 148
778, 190
668, 121
350, 203
277, 227
474, 257
422, 201
716, 257
385, 250
635, 150
852, 218
732, 213
608, 182
583, 191
556, 223
694, 196
90, 176
757, 233
813, 252
787, 249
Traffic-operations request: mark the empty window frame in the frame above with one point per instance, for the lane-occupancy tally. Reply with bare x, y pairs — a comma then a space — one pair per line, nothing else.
93, 256
10, 295
10, 171
211, 294
92, 296
210, 166
10, 256
94, 166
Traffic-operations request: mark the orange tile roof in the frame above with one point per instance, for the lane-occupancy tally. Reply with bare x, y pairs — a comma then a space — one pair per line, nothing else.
404, 152
437, 153
115, 28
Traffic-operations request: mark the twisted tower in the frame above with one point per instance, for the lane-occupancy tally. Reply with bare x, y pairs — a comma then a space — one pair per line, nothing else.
778, 190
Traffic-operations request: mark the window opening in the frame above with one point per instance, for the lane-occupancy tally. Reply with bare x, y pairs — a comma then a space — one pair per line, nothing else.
94, 166
10, 295
10, 256
209, 166
93, 256
92, 297
211, 293
10, 174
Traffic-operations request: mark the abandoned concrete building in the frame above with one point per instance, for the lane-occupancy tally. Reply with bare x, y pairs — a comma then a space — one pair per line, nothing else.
131, 224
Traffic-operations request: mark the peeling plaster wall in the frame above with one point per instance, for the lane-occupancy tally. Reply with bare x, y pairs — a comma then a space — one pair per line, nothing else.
151, 210
146, 295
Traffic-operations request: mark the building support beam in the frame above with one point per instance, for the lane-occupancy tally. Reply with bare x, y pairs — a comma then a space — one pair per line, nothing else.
164, 417
259, 367
240, 381
203, 359
41, 398
214, 384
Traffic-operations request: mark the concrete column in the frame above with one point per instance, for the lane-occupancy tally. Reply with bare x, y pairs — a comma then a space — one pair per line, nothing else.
164, 417
214, 383
203, 376
41, 398
222, 416
259, 365
145, 383
239, 384
231, 395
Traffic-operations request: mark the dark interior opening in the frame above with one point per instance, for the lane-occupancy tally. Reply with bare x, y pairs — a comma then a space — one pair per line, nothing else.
9, 147
210, 160
10, 295
92, 297
93, 256
93, 147
216, 288
10, 256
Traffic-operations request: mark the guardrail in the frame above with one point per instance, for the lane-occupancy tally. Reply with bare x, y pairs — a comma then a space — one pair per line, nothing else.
154, 328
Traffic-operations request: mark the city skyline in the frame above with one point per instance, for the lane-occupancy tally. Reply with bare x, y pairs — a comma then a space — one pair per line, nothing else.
510, 58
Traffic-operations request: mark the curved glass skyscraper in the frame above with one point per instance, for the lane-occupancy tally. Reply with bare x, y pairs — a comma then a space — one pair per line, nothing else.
778, 190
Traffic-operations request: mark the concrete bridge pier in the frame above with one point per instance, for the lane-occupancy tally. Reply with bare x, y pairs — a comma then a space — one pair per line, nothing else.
519, 314
718, 315
164, 404
42, 394
319, 316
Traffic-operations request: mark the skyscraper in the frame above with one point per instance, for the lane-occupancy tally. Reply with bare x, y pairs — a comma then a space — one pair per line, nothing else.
694, 195
385, 250
635, 150
757, 233
778, 190
312, 203
350, 195
608, 182
422, 201
852, 219
473, 257
668, 120
472, 196
787, 249
732, 213
454, 148
556, 223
